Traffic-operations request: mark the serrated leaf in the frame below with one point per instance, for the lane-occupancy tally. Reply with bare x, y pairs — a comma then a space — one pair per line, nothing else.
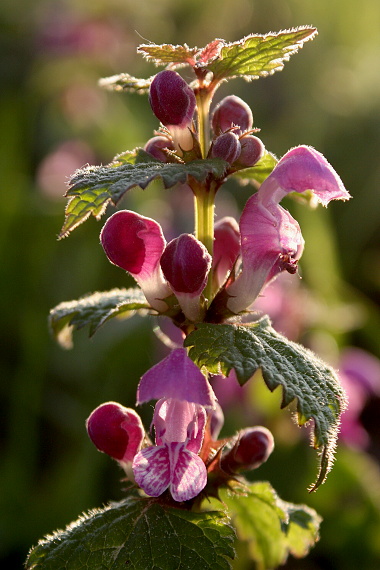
259, 172
272, 527
93, 310
93, 187
259, 55
138, 534
167, 53
126, 82
303, 376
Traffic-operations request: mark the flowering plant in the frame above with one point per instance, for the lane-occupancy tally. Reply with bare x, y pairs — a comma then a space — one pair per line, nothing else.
204, 283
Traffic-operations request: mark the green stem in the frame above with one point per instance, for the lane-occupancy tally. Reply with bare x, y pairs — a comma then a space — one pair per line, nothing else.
204, 226
203, 105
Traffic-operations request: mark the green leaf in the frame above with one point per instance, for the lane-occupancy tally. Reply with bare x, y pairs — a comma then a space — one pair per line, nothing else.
259, 55
259, 172
303, 376
126, 82
93, 187
93, 310
273, 528
138, 534
167, 53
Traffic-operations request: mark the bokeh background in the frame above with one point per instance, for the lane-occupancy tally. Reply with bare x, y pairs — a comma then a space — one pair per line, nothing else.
54, 118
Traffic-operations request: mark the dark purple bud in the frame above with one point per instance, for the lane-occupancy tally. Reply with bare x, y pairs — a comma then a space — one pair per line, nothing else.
232, 112
155, 147
185, 264
252, 449
252, 149
226, 146
116, 431
172, 100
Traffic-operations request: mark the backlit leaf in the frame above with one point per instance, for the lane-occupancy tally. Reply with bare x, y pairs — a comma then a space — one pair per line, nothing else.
259, 55
93, 187
303, 376
94, 310
138, 534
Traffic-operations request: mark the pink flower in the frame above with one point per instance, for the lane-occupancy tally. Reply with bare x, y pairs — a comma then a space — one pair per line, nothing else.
173, 462
179, 421
135, 244
186, 264
271, 240
116, 431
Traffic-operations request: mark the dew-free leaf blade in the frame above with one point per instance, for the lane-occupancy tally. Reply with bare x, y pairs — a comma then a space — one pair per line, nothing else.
259, 172
94, 310
93, 187
259, 55
166, 54
301, 374
126, 82
138, 533
273, 528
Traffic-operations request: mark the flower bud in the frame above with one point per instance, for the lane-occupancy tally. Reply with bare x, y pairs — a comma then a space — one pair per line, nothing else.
252, 149
226, 249
232, 112
116, 431
173, 102
252, 449
135, 244
186, 264
155, 147
226, 146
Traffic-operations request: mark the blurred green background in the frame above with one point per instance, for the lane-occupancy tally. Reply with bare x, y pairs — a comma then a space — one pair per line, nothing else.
54, 119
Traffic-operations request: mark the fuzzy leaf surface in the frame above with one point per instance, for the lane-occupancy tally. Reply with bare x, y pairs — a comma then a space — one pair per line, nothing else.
259, 172
138, 533
272, 527
126, 82
166, 54
259, 55
93, 310
303, 376
93, 187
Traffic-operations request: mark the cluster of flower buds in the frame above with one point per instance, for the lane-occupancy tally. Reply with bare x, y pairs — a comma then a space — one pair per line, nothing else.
174, 277
232, 123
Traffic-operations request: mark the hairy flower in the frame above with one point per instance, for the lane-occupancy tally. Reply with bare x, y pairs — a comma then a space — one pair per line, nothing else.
271, 240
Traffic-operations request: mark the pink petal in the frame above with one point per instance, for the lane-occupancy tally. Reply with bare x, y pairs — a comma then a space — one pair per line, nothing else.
175, 377
226, 249
179, 421
135, 244
271, 241
151, 469
189, 474
304, 168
